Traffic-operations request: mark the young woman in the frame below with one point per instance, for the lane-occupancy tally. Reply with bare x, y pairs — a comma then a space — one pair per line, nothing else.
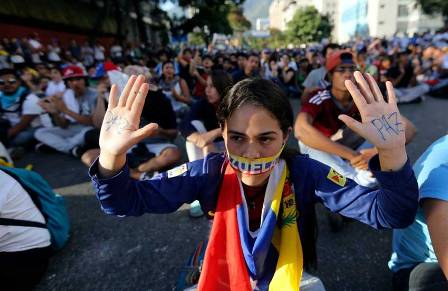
201, 128
261, 199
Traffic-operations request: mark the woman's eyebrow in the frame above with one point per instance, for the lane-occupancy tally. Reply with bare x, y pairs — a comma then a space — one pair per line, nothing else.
261, 134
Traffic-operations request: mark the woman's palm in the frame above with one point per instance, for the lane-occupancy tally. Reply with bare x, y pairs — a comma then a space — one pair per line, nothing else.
120, 129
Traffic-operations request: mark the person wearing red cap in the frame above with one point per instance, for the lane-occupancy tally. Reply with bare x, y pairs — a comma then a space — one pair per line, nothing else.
323, 136
72, 114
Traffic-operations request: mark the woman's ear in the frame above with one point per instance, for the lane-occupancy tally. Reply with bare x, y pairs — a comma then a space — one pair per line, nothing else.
286, 135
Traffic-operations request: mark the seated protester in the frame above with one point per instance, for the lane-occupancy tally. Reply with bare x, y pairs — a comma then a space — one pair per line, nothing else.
228, 66
201, 128
18, 111
420, 252
56, 86
24, 251
288, 77
317, 125
316, 78
163, 152
72, 114
250, 68
256, 187
403, 77
201, 73
175, 89
303, 69
184, 59
365, 66
272, 71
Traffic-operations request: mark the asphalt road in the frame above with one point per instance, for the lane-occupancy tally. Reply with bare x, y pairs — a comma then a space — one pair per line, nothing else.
146, 253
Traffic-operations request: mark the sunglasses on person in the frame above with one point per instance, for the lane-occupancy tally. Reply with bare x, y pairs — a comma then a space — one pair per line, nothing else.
11, 81
349, 69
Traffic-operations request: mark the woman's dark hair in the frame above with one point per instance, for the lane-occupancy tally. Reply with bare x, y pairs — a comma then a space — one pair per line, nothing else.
270, 96
259, 92
222, 81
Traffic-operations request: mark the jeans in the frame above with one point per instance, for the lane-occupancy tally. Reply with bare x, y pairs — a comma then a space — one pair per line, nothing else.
423, 277
361, 177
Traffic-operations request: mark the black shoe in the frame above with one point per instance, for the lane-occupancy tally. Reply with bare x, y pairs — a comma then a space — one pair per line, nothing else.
43, 148
77, 151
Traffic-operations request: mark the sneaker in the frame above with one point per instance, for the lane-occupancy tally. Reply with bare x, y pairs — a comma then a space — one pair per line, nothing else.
195, 209
77, 151
43, 148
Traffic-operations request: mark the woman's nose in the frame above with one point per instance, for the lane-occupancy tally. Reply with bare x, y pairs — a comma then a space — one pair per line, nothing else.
252, 151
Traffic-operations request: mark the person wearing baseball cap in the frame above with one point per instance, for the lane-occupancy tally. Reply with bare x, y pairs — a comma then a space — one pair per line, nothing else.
18, 110
325, 138
72, 114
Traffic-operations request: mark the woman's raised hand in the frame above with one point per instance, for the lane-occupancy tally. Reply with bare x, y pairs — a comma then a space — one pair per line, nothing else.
381, 121
120, 129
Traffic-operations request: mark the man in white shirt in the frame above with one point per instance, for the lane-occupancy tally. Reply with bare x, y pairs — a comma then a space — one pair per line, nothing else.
72, 114
24, 250
18, 110
315, 79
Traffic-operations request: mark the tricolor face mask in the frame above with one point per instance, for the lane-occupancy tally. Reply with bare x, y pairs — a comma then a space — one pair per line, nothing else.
253, 166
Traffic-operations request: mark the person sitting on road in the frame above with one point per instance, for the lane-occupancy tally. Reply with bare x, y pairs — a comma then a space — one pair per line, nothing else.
403, 75
419, 258
261, 198
18, 111
175, 89
201, 128
324, 137
24, 251
250, 69
72, 114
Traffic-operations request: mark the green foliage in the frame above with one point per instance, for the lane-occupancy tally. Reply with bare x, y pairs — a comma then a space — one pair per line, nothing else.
434, 6
196, 38
237, 21
307, 26
214, 14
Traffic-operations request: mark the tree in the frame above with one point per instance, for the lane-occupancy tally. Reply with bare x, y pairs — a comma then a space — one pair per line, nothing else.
434, 7
238, 22
212, 14
307, 25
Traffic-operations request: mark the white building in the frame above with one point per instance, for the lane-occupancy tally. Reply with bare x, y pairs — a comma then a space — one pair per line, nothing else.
383, 18
377, 18
262, 24
282, 11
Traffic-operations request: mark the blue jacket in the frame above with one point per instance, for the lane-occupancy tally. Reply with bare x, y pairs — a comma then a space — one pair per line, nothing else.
392, 205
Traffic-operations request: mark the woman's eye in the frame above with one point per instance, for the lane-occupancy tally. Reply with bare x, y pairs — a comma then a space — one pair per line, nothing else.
236, 138
265, 140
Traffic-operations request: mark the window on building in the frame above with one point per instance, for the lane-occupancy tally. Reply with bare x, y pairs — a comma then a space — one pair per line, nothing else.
381, 22
403, 10
382, 6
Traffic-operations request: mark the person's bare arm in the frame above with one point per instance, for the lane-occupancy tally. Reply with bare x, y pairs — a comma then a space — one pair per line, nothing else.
436, 214
100, 111
24, 122
306, 133
184, 96
287, 76
168, 133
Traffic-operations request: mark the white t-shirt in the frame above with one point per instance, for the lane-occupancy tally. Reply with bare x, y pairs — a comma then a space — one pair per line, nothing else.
83, 105
99, 53
16, 203
29, 107
54, 88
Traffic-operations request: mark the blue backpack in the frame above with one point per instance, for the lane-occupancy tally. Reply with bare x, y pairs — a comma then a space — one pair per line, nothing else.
50, 204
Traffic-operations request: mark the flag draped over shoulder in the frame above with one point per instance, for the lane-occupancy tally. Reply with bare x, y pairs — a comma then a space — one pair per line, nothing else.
270, 258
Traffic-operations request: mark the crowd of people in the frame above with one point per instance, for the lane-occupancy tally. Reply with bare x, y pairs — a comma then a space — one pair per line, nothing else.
55, 98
